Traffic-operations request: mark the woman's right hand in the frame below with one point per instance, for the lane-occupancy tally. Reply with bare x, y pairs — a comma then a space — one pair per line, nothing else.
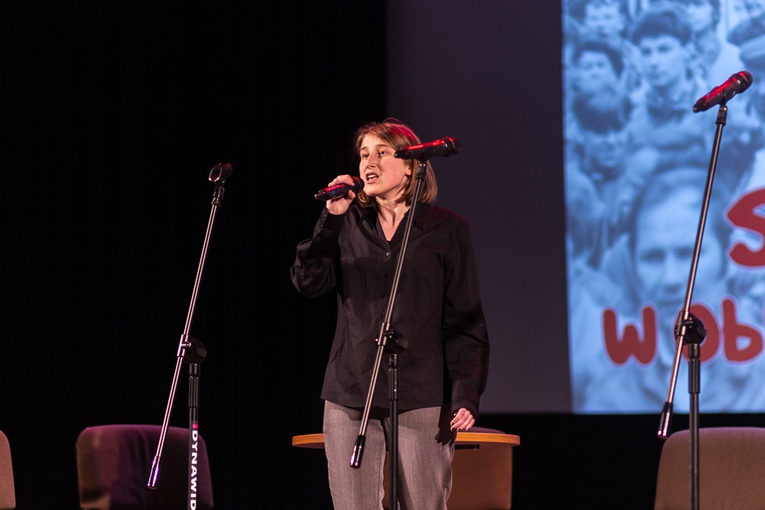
341, 204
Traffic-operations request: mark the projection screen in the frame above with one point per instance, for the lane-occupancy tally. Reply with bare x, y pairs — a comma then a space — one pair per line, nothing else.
585, 174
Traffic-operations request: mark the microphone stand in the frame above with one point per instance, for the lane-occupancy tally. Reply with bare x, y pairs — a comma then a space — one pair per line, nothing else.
390, 340
691, 331
193, 352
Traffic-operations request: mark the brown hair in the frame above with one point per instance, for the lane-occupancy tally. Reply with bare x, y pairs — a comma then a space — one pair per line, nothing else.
398, 135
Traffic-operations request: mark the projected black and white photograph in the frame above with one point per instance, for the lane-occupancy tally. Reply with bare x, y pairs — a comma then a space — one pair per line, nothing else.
664, 141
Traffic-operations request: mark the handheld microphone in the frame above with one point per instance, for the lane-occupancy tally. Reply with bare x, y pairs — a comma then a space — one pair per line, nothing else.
339, 190
736, 84
443, 147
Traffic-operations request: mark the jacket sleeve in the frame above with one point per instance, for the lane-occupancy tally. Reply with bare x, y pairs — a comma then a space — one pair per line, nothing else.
465, 335
314, 269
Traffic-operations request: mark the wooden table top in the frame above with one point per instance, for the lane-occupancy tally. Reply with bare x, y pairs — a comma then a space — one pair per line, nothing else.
464, 439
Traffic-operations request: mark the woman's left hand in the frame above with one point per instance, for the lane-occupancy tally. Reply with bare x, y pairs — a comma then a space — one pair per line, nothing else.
463, 420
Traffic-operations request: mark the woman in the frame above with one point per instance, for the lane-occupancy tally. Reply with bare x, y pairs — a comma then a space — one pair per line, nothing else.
437, 312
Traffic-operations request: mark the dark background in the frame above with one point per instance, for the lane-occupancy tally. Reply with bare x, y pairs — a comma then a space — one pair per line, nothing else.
112, 115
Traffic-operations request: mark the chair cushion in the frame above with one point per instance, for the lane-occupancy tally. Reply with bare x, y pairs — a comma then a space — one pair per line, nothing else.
731, 469
114, 463
7, 490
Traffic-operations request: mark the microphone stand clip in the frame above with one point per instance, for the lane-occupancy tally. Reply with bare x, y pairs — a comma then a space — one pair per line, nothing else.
392, 341
690, 328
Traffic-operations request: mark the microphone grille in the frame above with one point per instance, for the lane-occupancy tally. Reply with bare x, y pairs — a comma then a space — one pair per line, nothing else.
746, 80
452, 144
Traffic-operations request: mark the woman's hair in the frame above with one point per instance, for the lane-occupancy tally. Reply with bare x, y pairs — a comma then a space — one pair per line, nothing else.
398, 135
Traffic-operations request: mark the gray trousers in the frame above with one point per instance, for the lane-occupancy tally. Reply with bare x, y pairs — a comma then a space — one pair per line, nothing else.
425, 453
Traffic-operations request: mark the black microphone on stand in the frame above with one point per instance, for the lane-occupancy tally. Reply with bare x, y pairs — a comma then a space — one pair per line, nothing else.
339, 190
220, 173
736, 84
443, 147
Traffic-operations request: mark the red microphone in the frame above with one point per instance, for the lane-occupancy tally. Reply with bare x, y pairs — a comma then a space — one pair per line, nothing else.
339, 190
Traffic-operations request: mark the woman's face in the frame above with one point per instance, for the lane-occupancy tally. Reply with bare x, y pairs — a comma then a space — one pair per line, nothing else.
384, 175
